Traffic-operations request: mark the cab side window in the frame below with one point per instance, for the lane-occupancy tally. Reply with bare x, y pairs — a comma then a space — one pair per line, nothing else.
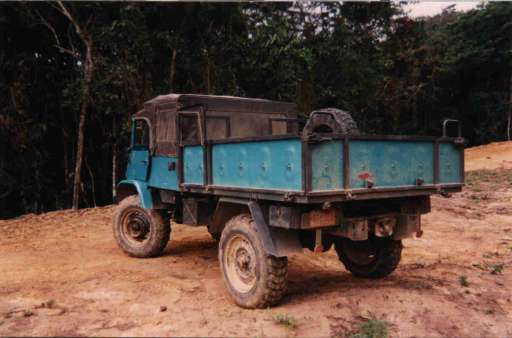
189, 128
141, 135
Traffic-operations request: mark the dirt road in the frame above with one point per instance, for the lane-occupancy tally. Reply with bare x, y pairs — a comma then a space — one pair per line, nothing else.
62, 274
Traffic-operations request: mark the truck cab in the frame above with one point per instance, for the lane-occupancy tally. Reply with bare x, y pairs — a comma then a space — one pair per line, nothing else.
267, 183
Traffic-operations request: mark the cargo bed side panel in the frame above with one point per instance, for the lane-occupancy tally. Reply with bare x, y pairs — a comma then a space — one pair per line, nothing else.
193, 168
327, 166
450, 163
389, 164
272, 164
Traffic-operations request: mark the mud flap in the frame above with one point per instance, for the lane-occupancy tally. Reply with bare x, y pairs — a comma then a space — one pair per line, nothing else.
276, 242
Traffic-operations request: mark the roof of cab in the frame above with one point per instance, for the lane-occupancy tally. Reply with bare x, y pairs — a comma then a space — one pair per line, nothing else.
221, 103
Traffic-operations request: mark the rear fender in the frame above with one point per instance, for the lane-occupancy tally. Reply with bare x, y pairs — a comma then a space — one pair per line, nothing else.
131, 187
276, 242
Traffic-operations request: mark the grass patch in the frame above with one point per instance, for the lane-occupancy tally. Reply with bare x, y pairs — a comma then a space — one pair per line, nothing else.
463, 281
286, 320
493, 268
496, 268
372, 328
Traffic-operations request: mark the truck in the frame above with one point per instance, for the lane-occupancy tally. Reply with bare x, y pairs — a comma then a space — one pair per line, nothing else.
267, 183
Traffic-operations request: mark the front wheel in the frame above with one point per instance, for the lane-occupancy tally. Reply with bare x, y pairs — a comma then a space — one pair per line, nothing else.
373, 258
140, 232
253, 278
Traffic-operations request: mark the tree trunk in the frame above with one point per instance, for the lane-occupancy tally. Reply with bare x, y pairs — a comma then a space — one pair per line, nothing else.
93, 183
114, 157
79, 156
207, 75
88, 69
509, 121
87, 79
65, 159
173, 69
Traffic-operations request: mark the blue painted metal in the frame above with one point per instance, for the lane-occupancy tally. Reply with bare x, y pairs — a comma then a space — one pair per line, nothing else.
277, 165
449, 163
160, 176
327, 165
272, 164
390, 163
137, 168
193, 167
142, 190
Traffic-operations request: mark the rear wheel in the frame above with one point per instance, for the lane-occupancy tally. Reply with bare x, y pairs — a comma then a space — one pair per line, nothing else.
140, 232
253, 278
373, 258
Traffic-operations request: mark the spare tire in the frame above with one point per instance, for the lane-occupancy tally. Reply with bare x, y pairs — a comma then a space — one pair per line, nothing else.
330, 120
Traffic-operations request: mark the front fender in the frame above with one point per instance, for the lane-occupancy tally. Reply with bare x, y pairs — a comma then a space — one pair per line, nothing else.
126, 187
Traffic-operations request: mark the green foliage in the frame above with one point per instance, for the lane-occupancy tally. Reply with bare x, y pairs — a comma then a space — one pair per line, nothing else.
286, 320
463, 281
493, 268
395, 74
372, 328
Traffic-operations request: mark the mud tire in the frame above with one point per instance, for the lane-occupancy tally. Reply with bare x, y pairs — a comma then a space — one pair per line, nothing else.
383, 256
347, 123
158, 229
268, 280
343, 122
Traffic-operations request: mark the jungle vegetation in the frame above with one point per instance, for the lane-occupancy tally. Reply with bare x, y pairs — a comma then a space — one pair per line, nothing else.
72, 73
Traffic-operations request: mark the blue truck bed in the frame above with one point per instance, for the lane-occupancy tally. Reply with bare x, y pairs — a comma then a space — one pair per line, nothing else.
344, 166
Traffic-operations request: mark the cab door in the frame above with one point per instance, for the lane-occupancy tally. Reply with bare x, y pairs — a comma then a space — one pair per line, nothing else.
138, 159
192, 144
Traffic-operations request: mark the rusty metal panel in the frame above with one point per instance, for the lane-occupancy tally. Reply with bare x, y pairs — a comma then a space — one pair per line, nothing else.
378, 163
406, 226
355, 228
318, 218
284, 217
327, 165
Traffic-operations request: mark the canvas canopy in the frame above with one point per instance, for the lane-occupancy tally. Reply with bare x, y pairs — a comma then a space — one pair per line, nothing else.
178, 118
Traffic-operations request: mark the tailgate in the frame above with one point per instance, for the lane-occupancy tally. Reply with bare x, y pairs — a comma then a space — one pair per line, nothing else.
387, 163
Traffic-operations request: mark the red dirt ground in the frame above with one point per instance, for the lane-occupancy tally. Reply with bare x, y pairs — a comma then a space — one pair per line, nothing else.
62, 274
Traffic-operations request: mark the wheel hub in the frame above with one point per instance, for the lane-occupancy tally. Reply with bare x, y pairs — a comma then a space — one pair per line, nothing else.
243, 263
136, 226
240, 263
